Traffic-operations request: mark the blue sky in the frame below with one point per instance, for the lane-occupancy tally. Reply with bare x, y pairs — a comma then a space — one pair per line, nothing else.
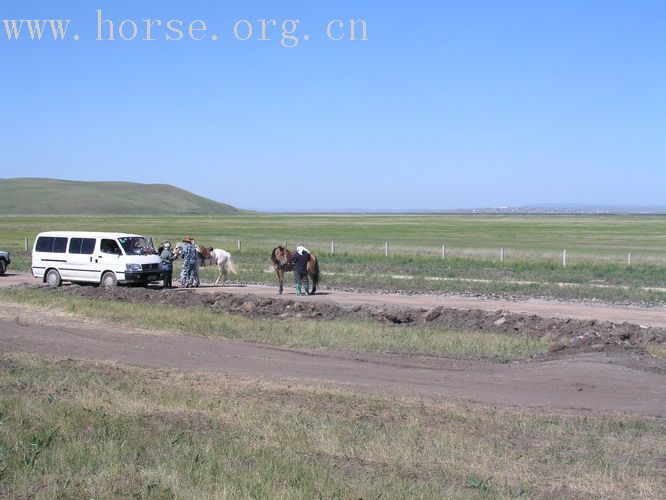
446, 105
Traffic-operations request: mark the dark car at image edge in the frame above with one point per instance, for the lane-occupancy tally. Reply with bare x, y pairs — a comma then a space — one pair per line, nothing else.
4, 262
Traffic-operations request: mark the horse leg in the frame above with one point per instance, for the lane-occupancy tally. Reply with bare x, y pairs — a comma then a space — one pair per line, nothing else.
280, 276
314, 284
195, 279
223, 273
217, 281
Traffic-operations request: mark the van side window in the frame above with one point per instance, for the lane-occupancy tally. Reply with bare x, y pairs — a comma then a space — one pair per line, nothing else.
44, 244
88, 246
82, 245
75, 245
51, 244
110, 246
60, 245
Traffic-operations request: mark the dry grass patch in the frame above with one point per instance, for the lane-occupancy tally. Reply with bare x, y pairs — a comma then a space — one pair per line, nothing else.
658, 351
75, 429
344, 334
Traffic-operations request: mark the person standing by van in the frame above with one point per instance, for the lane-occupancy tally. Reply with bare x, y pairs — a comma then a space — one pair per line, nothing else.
189, 253
167, 257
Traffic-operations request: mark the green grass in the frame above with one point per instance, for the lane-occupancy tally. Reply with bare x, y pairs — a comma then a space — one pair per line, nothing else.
52, 196
588, 237
93, 430
597, 249
348, 334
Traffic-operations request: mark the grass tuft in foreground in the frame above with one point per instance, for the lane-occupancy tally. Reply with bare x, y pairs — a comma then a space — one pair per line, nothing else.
658, 351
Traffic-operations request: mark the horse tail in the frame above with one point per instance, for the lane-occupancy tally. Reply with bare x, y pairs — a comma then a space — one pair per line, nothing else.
231, 266
315, 272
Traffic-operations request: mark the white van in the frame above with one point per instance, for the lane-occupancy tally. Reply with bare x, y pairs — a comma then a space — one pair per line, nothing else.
88, 257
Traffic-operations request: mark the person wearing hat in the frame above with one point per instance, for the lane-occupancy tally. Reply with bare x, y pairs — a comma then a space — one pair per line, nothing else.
167, 257
299, 259
188, 276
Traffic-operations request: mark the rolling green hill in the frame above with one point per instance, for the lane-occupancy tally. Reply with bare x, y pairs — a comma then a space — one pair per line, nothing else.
27, 196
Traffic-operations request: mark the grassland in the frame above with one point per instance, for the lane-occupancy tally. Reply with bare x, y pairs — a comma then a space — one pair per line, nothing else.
586, 237
93, 430
597, 250
72, 429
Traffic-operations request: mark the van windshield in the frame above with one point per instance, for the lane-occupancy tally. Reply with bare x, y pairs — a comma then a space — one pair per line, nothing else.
136, 246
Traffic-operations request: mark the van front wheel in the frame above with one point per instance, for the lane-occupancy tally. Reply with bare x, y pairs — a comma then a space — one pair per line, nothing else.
53, 278
109, 280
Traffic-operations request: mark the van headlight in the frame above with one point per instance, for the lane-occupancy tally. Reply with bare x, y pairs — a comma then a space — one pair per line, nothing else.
133, 267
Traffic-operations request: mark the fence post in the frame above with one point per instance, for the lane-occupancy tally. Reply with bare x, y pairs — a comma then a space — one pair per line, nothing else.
25, 244
564, 258
239, 246
502, 254
443, 251
629, 259
285, 244
386, 249
332, 247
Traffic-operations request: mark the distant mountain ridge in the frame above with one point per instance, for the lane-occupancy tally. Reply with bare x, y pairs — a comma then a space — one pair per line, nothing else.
545, 209
34, 196
577, 208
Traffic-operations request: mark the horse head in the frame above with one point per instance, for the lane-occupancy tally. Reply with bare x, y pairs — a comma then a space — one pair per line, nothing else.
280, 257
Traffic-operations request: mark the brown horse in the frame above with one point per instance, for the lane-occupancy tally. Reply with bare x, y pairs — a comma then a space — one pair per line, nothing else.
280, 257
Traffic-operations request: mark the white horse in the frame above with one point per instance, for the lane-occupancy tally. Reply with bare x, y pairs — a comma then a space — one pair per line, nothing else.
211, 256
222, 259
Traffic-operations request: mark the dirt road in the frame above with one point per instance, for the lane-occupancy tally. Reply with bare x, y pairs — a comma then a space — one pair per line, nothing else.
597, 382
584, 382
644, 316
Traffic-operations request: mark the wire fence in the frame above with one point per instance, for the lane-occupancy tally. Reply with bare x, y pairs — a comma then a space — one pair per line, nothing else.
388, 249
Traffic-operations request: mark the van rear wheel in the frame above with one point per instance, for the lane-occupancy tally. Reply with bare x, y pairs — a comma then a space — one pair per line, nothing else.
109, 280
3, 267
53, 278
